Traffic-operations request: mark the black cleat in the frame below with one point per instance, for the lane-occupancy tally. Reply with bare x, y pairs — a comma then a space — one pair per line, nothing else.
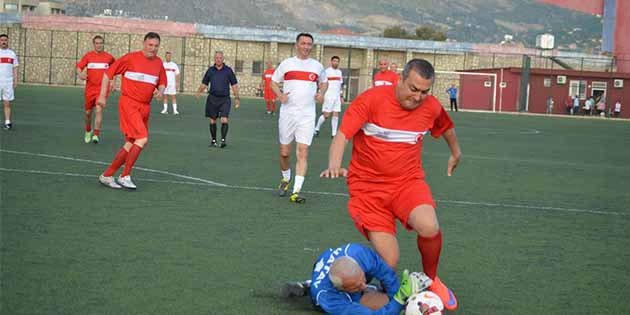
316, 134
8, 126
223, 144
213, 143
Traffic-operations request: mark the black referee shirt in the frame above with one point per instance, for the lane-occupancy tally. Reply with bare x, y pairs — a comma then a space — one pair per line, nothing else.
219, 81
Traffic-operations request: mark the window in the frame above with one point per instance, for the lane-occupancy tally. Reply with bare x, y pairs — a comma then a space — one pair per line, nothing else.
578, 88
239, 66
257, 67
547, 82
10, 7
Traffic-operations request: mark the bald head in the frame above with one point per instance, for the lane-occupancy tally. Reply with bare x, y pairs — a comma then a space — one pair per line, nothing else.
346, 275
383, 64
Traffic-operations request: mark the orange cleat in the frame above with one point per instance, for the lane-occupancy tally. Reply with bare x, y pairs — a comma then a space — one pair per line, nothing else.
447, 296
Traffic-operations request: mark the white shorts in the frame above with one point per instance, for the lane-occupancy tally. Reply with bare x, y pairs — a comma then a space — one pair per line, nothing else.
170, 90
292, 128
331, 104
6, 92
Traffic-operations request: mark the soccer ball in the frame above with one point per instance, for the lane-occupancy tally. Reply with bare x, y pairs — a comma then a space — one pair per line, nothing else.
424, 303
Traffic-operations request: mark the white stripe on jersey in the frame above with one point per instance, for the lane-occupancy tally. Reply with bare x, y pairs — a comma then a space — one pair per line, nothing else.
392, 135
379, 83
98, 65
141, 77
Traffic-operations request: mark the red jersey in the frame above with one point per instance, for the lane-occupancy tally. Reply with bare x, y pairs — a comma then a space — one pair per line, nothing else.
96, 63
267, 77
140, 75
386, 78
387, 139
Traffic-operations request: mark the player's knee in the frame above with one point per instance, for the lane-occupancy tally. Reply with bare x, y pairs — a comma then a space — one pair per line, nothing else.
392, 260
142, 142
99, 109
302, 152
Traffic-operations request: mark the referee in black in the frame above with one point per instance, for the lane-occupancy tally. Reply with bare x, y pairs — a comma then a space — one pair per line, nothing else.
219, 77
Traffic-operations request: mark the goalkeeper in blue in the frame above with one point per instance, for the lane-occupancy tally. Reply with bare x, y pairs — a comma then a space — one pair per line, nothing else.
340, 283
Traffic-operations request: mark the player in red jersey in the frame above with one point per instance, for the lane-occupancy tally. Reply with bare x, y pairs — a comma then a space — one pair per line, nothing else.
91, 67
384, 76
385, 178
143, 77
270, 97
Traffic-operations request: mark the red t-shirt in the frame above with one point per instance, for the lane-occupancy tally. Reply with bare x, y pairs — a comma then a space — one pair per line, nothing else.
387, 139
140, 75
96, 63
267, 77
386, 78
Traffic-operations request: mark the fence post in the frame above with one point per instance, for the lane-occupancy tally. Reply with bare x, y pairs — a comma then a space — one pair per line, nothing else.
183, 71
348, 73
24, 61
52, 33
76, 59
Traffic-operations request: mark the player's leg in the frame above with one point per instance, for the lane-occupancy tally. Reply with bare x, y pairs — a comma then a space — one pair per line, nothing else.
286, 135
320, 121
7, 114
273, 106
374, 299
6, 94
415, 208
107, 178
165, 108
303, 138
386, 245
88, 125
138, 129
334, 122
455, 102
285, 169
225, 113
98, 123
268, 105
212, 112
174, 102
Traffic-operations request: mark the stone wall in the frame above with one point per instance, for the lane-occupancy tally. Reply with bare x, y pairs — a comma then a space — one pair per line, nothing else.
49, 57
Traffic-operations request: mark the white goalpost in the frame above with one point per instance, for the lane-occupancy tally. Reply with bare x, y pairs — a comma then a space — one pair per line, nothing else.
445, 78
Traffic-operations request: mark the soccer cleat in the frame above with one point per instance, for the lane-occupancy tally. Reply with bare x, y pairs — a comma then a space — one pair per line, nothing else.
296, 289
445, 294
175, 113
297, 198
164, 112
316, 134
223, 144
268, 113
88, 137
125, 181
95, 139
109, 181
7, 126
283, 188
213, 143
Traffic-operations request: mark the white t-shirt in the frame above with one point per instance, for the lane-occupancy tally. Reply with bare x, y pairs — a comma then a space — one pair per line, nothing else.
171, 71
335, 81
618, 107
300, 78
8, 60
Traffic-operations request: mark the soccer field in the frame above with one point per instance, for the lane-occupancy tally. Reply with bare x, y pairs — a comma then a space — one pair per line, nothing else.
536, 219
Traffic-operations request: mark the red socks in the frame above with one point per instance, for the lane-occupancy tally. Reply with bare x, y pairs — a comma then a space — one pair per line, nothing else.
132, 157
97, 132
88, 124
430, 248
119, 160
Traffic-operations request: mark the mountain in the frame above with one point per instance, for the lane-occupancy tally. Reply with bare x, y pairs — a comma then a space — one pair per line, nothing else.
482, 21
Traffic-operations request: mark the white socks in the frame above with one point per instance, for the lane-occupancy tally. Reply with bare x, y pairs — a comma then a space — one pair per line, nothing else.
165, 107
299, 181
6, 122
320, 122
175, 107
286, 175
335, 122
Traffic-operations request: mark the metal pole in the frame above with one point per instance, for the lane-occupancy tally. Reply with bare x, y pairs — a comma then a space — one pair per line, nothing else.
51, 57
76, 59
348, 73
183, 62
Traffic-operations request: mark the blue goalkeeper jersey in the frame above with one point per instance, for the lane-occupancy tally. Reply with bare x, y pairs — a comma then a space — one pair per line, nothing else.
333, 301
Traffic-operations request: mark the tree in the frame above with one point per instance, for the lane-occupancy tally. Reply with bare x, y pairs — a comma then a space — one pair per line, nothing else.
396, 32
429, 33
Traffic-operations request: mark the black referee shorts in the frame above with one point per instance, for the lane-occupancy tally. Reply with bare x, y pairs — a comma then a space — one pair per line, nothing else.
218, 106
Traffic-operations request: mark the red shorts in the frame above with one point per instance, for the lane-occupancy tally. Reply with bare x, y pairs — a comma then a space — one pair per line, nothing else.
134, 118
91, 94
375, 207
269, 95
